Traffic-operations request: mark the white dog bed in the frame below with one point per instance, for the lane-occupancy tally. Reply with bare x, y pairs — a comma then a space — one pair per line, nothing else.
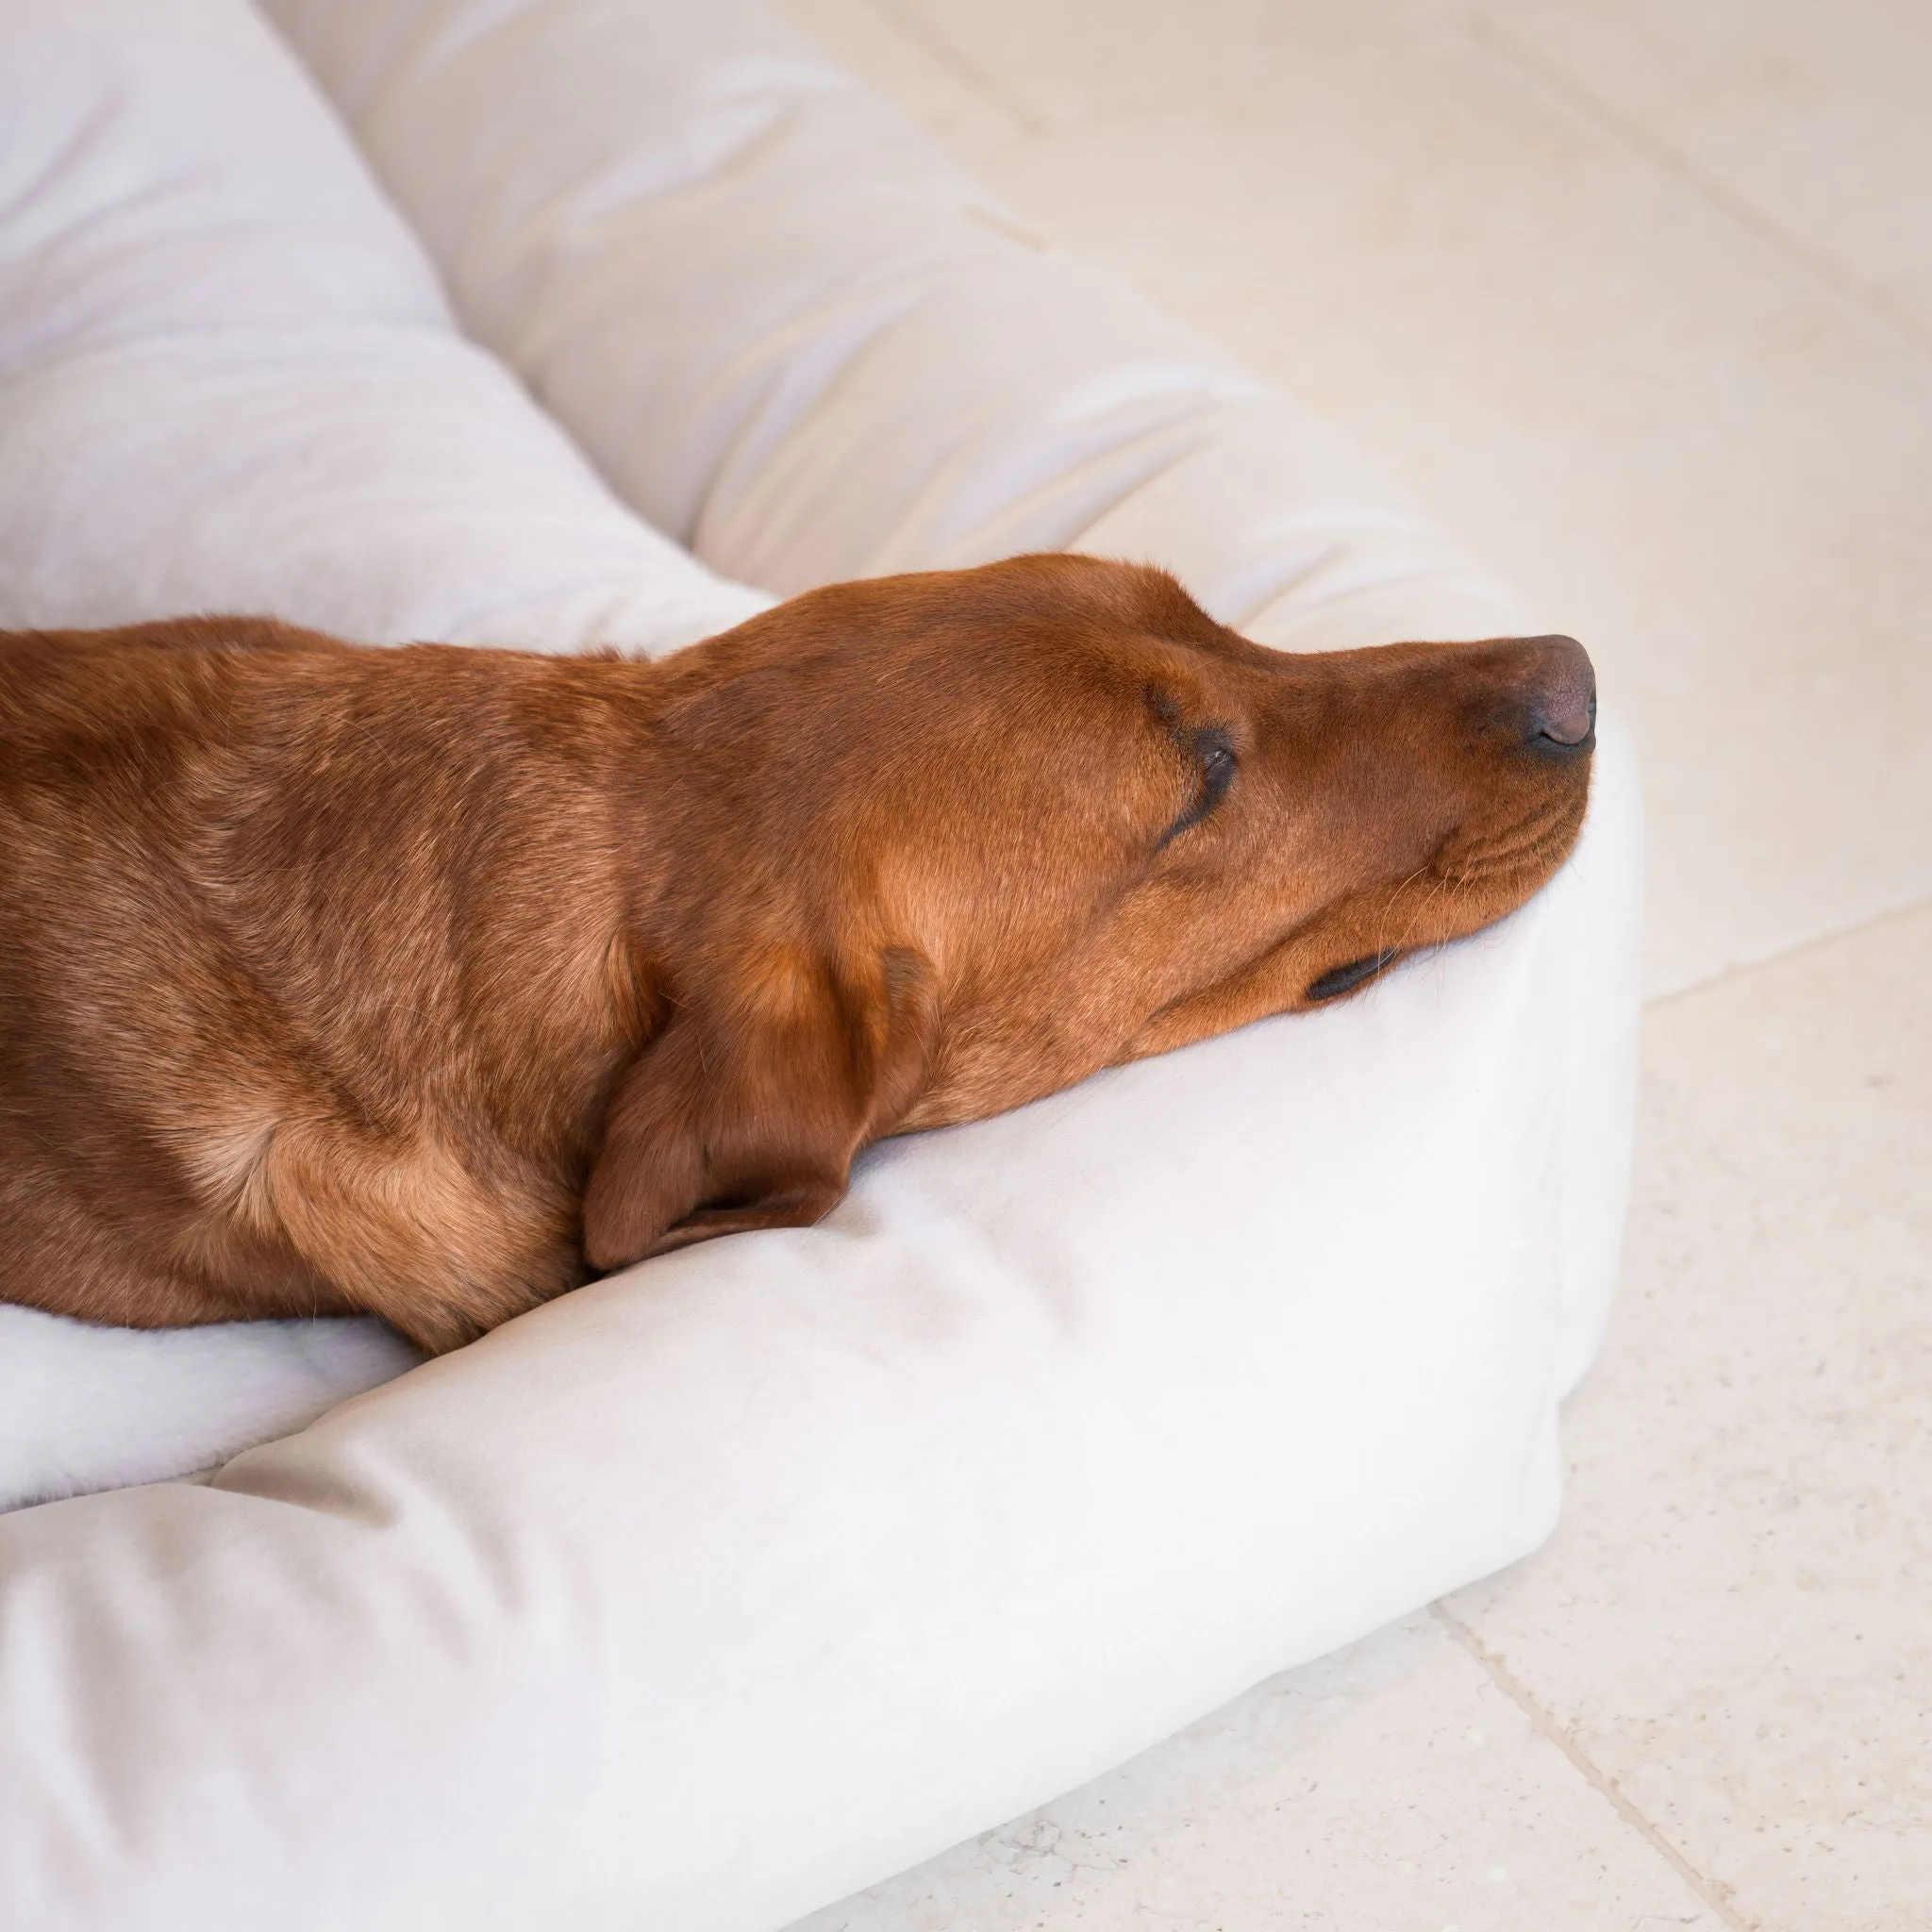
722, 1588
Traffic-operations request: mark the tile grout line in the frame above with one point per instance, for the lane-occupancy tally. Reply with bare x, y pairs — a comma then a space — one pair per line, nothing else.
1633, 134
911, 27
1712, 1892
1911, 909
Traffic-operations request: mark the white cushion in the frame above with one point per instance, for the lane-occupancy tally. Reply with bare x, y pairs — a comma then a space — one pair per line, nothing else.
228, 377
724, 1587
85, 1407
797, 339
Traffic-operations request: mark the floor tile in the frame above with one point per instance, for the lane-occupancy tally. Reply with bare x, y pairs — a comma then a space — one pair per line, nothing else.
1677, 438
1391, 1787
1735, 1620
1813, 117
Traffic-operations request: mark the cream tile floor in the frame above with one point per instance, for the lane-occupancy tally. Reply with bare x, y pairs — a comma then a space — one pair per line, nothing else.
1637, 298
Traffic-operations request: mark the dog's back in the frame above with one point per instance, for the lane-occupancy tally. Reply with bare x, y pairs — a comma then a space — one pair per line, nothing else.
246, 875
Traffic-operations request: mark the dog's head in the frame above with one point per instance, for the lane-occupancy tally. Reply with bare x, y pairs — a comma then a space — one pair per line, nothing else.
948, 842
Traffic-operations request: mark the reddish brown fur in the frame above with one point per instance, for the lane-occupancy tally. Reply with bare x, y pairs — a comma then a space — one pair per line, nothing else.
429, 981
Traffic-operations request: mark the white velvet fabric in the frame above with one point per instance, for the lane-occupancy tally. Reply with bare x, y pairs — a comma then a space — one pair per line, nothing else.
228, 377
84, 1407
724, 1587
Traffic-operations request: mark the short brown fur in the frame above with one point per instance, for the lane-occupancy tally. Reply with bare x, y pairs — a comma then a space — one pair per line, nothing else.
432, 981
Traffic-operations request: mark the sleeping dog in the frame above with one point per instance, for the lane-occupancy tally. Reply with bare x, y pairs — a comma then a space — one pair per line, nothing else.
432, 981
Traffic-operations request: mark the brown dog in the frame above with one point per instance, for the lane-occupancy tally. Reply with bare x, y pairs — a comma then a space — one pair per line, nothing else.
430, 981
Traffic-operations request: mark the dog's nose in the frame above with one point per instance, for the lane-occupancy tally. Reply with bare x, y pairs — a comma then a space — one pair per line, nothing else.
1562, 696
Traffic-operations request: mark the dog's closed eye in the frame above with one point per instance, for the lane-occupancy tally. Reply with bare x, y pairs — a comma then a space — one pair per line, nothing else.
1216, 751
1215, 765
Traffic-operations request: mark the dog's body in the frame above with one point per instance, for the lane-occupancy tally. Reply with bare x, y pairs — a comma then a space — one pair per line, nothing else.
428, 981
307, 995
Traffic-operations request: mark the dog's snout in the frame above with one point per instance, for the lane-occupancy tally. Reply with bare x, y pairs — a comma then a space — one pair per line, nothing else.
1559, 714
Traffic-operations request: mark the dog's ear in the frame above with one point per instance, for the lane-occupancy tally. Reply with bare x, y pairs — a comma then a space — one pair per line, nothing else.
746, 1110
